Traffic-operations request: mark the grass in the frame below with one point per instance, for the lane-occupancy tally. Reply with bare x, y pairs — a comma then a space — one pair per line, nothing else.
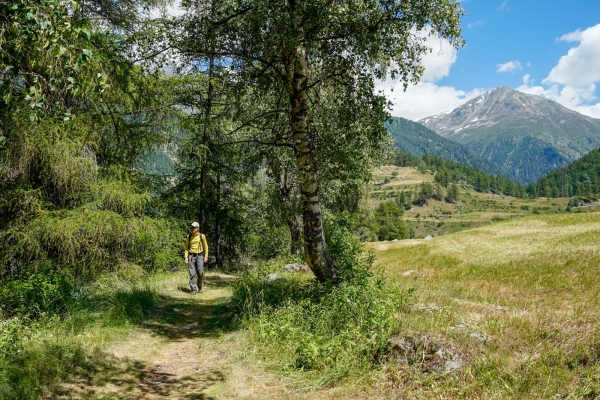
517, 303
319, 334
521, 297
36, 356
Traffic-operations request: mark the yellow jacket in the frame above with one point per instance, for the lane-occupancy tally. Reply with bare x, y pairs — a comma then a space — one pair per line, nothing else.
196, 243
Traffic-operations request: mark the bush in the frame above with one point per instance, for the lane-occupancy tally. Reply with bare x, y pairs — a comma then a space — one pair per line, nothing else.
49, 292
85, 243
328, 330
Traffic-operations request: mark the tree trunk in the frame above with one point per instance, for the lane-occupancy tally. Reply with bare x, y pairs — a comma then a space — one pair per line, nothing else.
205, 140
294, 227
285, 186
219, 256
314, 238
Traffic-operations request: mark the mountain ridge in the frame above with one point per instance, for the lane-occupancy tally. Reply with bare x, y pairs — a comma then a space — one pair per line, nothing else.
525, 134
416, 139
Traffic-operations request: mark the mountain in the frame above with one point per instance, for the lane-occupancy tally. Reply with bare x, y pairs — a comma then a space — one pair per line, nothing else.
417, 140
525, 134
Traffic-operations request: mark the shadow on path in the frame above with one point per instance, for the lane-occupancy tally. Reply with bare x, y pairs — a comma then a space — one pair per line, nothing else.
178, 318
191, 316
114, 378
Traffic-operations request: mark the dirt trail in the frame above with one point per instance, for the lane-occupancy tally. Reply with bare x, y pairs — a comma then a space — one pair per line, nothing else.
185, 349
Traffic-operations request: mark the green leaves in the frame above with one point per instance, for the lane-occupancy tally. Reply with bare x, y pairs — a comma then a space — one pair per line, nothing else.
43, 44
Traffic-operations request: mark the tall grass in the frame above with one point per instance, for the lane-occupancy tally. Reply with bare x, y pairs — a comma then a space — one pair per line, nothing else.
530, 287
37, 355
324, 331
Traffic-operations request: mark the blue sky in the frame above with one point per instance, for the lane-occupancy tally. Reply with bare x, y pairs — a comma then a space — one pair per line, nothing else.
550, 48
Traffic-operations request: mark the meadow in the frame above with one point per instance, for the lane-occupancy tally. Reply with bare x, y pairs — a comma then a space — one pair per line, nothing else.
518, 301
508, 310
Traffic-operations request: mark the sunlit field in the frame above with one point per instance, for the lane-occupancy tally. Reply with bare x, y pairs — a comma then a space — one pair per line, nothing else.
520, 299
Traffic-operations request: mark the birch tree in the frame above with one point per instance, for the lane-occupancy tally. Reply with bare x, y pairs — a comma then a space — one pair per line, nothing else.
298, 47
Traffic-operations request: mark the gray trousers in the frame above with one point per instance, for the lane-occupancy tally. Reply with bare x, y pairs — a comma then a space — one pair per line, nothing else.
196, 268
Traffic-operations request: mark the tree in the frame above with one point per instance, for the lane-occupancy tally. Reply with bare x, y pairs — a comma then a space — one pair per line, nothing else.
452, 194
388, 216
426, 192
296, 48
77, 117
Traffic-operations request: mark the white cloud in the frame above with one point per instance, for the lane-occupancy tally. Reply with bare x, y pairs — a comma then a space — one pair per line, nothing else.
575, 98
474, 24
573, 81
571, 37
427, 98
510, 66
581, 65
504, 3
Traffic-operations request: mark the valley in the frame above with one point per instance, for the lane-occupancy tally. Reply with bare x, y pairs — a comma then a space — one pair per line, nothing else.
473, 209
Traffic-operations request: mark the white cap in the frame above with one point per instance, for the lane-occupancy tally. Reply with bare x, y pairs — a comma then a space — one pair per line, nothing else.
195, 225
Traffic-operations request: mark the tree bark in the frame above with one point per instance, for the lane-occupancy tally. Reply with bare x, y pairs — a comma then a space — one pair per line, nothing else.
295, 232
314, 238
285, 186
219, 256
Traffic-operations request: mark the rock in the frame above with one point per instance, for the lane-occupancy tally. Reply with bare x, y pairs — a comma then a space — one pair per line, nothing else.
301, 268
291, 267
430, 353
478, 336
428, 237
273, 278
408, 273
395, 240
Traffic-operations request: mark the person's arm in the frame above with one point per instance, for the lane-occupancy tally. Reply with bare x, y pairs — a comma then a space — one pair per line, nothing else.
205, 248
186, 252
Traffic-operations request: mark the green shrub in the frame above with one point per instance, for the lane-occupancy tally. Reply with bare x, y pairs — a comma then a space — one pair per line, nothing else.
39, 293
86, 243
328, 330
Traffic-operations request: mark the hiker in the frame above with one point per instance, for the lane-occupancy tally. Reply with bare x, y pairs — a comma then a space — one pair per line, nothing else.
196, 254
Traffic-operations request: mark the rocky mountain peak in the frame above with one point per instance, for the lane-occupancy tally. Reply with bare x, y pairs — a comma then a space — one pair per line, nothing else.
521, 132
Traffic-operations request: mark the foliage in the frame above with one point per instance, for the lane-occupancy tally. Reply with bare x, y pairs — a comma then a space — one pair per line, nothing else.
328, 331
76, 118
581, 178
44, 54
313, 79
388, 216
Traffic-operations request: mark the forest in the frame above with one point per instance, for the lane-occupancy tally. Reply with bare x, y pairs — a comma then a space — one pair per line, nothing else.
122, 122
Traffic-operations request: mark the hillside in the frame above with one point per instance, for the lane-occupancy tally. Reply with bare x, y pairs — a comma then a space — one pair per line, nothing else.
581, 178
417, 140
439, 217
525, 134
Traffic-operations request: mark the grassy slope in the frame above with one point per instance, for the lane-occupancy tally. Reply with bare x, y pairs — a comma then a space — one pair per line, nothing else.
472, 210
521, 298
